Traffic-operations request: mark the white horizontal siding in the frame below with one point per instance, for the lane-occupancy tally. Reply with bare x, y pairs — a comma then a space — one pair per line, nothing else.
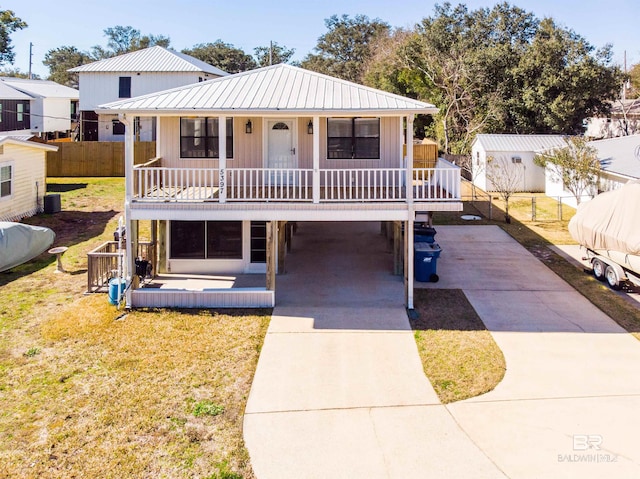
29, 168
99, 88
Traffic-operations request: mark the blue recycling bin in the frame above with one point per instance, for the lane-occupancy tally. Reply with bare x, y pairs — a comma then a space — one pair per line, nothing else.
425, 261
113, 289
423, 234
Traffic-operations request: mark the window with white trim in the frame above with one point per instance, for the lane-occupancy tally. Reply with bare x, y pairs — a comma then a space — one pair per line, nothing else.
199, 138
206, 240
353, 138
6, 178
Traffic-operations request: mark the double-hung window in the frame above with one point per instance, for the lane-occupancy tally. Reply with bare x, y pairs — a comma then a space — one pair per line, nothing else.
353, 138
199, 138
6, 177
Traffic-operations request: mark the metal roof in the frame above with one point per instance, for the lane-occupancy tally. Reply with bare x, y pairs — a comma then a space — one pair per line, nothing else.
619, 155
278, 88
41, 88
23, 140
9, 93
152, 59
496, 142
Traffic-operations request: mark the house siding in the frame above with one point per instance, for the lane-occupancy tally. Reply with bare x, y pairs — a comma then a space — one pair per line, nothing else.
28, 187
100, 87
248, 148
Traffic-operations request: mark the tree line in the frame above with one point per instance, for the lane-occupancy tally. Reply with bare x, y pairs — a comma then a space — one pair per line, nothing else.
488, 70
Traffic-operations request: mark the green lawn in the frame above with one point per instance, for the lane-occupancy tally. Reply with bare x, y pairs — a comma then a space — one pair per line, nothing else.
86, 392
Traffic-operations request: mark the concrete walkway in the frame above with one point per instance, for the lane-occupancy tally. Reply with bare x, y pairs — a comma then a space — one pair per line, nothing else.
339, 390
569, 405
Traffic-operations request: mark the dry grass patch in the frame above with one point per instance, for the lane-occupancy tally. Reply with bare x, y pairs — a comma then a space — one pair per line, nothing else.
458, 354
153, 394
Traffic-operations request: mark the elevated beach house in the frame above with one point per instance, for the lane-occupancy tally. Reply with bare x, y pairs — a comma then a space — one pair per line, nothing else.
242, 157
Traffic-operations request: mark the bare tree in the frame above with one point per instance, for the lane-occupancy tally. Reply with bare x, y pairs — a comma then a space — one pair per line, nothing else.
506, 178
473, 170
576, 165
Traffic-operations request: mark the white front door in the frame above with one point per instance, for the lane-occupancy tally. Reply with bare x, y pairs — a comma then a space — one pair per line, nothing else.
281, 150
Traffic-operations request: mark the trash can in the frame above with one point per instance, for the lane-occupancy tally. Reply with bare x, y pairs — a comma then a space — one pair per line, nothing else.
423, 234
114, 298
425, 261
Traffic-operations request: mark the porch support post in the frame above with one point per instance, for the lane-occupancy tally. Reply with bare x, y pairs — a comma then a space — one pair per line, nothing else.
408, 262
282, 225
222, 163
409, 167
133, 233
128, 266
272, 227
316, 159
398, 248
401, 142
161, 267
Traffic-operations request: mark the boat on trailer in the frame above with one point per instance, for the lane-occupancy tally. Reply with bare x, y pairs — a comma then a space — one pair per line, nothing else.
20, 243
608, 227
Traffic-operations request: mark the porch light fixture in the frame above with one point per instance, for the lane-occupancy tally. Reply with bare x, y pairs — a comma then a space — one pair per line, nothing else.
248, 128
310, 127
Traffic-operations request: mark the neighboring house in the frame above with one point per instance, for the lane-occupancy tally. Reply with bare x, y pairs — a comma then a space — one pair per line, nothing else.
15, 109
50, 112
130, 75
22, 176
619, 164
240, 156
623, 120
519, 150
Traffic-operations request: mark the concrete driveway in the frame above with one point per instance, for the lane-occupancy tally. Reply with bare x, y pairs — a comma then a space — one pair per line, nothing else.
339, 390
569, 404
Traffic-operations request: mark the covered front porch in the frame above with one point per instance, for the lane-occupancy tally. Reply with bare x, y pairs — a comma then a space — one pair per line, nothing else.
153, 183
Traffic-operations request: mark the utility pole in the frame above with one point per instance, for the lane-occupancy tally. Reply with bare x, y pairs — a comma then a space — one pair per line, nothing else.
271, 53
30, 59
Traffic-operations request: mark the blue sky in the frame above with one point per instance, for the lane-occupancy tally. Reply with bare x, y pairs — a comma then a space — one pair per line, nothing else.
296, 24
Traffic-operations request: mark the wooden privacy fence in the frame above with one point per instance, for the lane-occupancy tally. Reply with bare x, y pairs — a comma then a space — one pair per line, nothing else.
94, 158
424, 155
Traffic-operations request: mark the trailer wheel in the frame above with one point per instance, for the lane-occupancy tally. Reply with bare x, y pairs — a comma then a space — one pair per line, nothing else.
598, 269
612, 278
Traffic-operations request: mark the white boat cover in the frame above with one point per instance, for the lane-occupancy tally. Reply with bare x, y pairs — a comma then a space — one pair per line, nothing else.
610, 221
20, 243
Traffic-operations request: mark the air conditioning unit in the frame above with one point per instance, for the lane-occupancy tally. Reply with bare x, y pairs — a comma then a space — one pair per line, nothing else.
516, 159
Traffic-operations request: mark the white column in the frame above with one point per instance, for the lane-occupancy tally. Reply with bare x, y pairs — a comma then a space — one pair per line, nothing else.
158, 137
410, 161
409, 258
316, 159
222, 148
129, 265
401, 141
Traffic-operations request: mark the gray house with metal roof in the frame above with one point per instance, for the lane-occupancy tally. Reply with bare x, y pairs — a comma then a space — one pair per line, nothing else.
131, 75
619, 163
243, 157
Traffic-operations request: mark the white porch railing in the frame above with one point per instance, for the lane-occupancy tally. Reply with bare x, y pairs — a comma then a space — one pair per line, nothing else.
436, 184
160, 184
379, 184
269, 184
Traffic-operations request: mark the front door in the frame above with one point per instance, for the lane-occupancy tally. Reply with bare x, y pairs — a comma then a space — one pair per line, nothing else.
281, 150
